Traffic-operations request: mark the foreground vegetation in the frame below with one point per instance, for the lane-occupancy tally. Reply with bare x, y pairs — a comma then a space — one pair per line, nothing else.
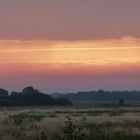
70, 123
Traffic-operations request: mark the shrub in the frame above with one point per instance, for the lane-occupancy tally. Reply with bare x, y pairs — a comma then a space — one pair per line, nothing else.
70, 132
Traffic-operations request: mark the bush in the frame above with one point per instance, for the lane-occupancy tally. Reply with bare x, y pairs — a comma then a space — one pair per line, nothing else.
70, 132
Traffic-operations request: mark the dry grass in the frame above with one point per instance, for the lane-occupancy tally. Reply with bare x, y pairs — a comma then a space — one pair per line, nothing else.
29, 123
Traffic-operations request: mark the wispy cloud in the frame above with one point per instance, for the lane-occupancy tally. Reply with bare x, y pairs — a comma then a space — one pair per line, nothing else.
89, 52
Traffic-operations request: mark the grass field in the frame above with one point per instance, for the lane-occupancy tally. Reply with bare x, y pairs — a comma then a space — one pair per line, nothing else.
95, 122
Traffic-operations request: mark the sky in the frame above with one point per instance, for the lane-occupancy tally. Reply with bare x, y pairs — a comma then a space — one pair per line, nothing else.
70, 45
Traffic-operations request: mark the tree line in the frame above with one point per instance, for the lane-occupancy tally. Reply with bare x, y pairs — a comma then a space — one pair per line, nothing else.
102, 96
30, 97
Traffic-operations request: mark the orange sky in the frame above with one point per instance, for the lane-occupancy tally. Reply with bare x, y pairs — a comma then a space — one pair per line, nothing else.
90, 52
52, 64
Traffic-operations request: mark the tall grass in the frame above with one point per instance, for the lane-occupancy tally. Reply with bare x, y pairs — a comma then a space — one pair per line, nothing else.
84, 124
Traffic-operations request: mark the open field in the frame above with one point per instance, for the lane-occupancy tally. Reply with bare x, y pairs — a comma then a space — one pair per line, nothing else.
96, 123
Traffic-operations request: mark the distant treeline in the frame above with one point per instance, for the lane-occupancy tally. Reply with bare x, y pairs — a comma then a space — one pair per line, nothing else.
102, 96
30, 97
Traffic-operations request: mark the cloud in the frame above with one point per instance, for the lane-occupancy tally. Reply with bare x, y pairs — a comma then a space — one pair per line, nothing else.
69, 19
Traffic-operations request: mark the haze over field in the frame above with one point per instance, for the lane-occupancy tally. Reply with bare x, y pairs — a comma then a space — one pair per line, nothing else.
70, 45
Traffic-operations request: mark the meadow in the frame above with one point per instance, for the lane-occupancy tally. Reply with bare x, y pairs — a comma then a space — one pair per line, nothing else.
59, 123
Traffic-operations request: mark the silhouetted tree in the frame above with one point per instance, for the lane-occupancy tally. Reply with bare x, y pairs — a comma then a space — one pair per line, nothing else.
28, 90
30, 97
121, 102
3, 93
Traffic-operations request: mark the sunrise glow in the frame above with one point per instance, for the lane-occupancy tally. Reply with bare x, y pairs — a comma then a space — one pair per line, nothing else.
61, 60
101, 52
